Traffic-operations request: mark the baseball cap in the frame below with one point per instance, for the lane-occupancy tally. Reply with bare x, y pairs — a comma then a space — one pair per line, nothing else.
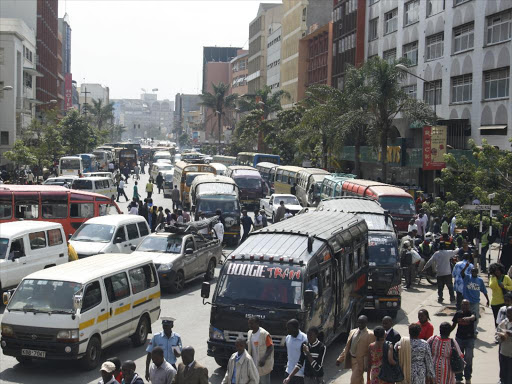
108, 366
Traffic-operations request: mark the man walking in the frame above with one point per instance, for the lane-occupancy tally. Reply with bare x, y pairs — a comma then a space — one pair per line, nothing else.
294, 341
312, 359
168, 341
281, 210
175, 196
160, 182
261, 349
473, 285
190, 371
160, 371
458, 280
356, 350
107, 373
129, 374
136, 170
391, 335
120, 190
504, 337
149, 189
465, 337
241, 368
444, 270
246, 225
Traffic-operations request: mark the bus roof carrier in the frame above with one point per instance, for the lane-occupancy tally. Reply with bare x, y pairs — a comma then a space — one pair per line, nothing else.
190, 227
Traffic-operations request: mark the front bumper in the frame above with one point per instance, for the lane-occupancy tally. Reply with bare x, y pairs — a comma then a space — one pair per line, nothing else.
382, 303
166, 278
54, 351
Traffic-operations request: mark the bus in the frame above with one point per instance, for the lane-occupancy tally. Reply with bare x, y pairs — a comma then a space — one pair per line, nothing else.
180, 178
252, 159
268, 173
53, 203
331, 185
89, 161
250, 183
71, 165
127, 157
393, 199
286, 176
309, 182
226, 160
135, 146
104, 158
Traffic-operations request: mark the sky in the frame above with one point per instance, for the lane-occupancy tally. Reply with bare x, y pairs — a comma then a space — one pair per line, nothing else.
130, 45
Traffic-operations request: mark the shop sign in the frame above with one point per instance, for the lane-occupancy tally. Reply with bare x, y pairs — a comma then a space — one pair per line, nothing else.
434, 147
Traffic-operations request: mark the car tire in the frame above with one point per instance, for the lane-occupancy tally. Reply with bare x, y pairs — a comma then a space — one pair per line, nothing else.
221, 362
178, 283
141, 333
92, 355
210, 270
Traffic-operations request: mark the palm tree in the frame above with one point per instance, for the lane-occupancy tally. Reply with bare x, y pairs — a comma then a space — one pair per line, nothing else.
102, 114
219, 102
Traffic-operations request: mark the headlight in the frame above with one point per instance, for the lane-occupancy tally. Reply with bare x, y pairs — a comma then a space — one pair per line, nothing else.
216, 334
165, 267
67, 335
7, 330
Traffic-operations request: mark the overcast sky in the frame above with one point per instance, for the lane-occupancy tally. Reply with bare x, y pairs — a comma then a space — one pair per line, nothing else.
129, 45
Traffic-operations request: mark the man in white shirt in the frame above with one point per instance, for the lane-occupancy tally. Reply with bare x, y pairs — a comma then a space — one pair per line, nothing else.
160, 371
294, 342
107, 373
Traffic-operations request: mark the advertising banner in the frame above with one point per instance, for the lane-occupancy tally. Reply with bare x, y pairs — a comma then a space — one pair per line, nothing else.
68, 91
434, 147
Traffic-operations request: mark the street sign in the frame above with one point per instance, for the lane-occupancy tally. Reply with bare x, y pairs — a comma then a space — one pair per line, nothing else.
469, 207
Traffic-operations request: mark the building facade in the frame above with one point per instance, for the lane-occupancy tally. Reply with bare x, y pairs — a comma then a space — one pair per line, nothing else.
274, 57
238, 73
67, 86
87, 92
187, 106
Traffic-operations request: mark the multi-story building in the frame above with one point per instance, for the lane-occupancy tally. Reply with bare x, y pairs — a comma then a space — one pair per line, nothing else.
17, 70
186, 106
274, 57
60, 75
67, 86
238, 73
91, 91
298, 17
268, 14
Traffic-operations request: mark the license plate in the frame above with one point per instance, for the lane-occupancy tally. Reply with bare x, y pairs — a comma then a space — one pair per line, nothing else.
33, 353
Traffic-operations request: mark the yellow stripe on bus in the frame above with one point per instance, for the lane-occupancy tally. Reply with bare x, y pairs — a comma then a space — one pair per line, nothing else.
154, 295
86, 324
122, 309
137, 302
103, 317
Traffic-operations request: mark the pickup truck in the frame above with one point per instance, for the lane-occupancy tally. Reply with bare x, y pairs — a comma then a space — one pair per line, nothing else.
271, 204
181, 256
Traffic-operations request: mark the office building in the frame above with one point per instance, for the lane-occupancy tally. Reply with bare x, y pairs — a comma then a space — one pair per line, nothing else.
87, 92
274, 57
187, 115
238, 73
67, 86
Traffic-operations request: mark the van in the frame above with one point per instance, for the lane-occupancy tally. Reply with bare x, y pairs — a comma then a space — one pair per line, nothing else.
27, 247
158, 167
73, 311
102, 185
109, 234
168, 186
99, 174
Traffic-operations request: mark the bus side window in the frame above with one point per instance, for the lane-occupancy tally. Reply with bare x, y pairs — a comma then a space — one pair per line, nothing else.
6, 206
27, 209
313, 285
81, 210
356, 259
349, 264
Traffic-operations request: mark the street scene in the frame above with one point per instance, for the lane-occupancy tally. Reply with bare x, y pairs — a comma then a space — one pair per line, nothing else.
322, 196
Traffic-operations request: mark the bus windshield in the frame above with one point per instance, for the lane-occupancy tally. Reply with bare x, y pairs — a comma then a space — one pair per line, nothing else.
4, 244
382, 250
267, 158
248, 183
259, 284
398, 205
70, 164
100, 233
210, 206
46, 296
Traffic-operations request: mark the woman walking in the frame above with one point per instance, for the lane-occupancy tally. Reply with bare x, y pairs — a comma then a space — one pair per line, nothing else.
499, 283
375, 356
427, 329
441, 347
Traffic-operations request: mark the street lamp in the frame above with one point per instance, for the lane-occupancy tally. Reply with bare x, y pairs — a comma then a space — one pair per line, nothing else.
7, 88
403, 68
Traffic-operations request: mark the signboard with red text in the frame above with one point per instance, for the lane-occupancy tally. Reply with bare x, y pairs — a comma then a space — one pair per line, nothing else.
434, 147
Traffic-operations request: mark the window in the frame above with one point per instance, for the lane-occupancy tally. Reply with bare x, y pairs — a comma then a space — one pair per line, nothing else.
463, 37
4, 138
120, 233
37, 240
496, 83
54, 237
373, 2
5, 206
457, 2
27, 80
410, 52
133, 233
462, 88
435, 46
411, 12
107, 209
81, 210
435, 6
143, 228
142, 278
27, 209
390, 55
117, 287
411, 91
391, 21
373, 29
92, 296
432, 92
54, 210
499, 27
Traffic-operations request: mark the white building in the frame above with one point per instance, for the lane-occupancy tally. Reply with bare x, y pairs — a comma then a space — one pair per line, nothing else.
89, 91
463, 47
17, 70
274, 57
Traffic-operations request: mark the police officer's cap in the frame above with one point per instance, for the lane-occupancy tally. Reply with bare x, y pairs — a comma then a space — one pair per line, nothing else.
168, 320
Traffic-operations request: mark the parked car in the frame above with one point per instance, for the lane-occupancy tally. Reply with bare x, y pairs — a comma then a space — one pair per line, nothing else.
271, 204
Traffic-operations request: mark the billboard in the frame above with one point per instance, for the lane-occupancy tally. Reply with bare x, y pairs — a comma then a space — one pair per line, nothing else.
68, 91
434, 147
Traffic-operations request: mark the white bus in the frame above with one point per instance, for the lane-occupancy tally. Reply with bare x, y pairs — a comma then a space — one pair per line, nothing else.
71, 165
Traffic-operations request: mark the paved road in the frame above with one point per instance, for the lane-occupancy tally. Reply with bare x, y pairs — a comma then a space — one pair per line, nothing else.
192, 323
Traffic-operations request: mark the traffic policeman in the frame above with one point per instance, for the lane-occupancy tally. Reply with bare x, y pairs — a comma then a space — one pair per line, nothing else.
168, 340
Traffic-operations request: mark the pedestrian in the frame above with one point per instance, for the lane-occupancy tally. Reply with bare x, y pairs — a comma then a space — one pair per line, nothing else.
441, 347
241, 368
142, 166
118, 375
473, 285
168, 341
30, 178
264, 220
159, 182
458, 285
258, 220
504, 338
427, 329
175, 196
261, 349
311, 358
107, 373
120, 191
149, 189
445, 226
465, 319
356, 350
420, 224
133, 208
186, 217
160, 371
280, 211
180, 219
246, 225
506, 254
453, 225
129, 374
391, 334
415, 358
117, 177
136, 171
500, 283
375, 356
126, 172
160, 218
444, 272
484, 241
436, 228
189, 370
136, 191
201, 217
294, 341
502, 313
143, 210
111, 166
168, 216
218, 228
411, 224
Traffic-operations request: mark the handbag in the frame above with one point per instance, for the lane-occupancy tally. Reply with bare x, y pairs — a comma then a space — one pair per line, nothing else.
457, 363
390, 373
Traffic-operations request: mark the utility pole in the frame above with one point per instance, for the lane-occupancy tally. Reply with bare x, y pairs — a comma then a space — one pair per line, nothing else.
85, 92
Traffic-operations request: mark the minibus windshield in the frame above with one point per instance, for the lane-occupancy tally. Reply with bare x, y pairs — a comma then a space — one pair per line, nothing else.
210, 206
382, 250
264, 285
98, 233
398, 205
4, 244
170, 244
47, 296
248, 183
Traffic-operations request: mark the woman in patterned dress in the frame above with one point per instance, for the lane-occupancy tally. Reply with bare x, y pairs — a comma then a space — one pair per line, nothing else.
441, 347
415, 358
375, 356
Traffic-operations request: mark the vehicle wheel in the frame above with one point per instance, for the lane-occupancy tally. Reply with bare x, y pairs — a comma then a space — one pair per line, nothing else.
221, 362
210, 271
178, 283
431, 279
92, 355
141, 333
24, 359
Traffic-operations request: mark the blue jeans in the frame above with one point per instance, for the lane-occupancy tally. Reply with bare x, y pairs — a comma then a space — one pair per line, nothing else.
483, 259
475, 308
466, 347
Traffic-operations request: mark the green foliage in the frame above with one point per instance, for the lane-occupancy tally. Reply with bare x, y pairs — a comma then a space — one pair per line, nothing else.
20, 154
77, 134
184, 140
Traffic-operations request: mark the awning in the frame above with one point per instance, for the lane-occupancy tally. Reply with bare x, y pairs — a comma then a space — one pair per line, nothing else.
32, 71
489, 127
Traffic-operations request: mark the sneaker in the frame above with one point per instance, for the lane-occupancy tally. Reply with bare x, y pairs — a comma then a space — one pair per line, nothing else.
440, 300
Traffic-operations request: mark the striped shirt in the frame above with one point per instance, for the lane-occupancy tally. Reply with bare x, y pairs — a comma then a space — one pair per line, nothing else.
316, 367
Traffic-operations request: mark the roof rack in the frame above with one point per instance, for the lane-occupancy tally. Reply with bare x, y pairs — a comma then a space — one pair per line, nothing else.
190, 227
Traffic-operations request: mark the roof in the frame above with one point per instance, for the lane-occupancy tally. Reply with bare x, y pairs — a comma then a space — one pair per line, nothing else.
211, 178
242, 167
381, 188
85, 270
315, 171
290, 168
16, 228
115, 219
352, 204
267, 164
44, 188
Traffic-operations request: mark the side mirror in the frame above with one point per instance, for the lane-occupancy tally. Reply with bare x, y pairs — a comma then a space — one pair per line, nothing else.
77, 302
270, 203
70, 236
189, 251
205, 290
16, 255
133, 247
118, 240
6, 297
309, 298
